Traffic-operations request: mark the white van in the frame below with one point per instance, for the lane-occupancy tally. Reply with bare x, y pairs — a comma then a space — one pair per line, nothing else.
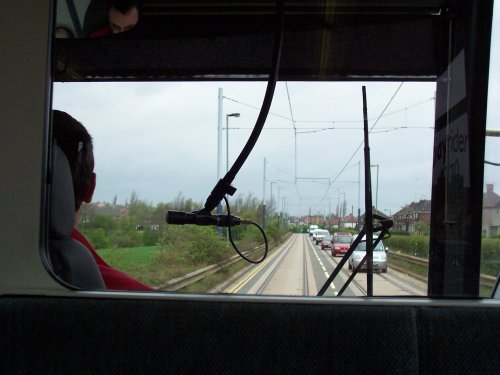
311, 229
319, 234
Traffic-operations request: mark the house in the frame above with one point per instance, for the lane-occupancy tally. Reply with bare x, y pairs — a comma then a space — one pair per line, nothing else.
350, 221
491, 212
406, 218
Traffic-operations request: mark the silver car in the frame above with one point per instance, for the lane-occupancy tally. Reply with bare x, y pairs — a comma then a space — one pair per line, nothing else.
379, 257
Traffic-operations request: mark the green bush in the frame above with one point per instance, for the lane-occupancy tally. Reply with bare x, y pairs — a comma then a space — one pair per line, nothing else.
251, 235
97, 238
417, 246
126, 234
399, 233
101, 221
195, 245
126, 238
294, 228
150, 236
490, 256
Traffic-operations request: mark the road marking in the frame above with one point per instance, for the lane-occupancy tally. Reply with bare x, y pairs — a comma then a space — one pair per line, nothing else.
332, 285
245, 280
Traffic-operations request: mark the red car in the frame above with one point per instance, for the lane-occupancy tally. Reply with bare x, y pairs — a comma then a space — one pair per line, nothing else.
341, 243
326, 243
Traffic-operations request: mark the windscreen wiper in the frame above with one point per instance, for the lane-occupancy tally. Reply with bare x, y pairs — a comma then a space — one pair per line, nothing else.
368, 228
383, 227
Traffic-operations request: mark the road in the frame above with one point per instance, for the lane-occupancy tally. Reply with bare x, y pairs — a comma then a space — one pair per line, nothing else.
300, 268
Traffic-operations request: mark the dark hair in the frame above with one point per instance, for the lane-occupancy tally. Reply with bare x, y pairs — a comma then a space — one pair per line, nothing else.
76, 143
123, 6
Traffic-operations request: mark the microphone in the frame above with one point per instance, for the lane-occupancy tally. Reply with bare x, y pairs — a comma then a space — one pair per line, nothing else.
201, 218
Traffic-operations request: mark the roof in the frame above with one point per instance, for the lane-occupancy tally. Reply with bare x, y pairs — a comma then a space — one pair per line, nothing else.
422, 206
490, 199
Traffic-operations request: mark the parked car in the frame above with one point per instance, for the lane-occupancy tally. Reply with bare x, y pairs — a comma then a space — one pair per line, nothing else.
319, 234
379, 257
341, 243
326, 243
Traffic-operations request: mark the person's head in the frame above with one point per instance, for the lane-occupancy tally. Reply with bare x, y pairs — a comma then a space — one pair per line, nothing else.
123, 15
76, 143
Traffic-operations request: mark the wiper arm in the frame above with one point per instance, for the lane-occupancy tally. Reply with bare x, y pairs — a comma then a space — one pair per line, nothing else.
384, 226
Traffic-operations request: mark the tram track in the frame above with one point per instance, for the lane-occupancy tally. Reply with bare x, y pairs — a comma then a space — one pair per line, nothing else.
275, 269
305, 289
295, 253
300, 267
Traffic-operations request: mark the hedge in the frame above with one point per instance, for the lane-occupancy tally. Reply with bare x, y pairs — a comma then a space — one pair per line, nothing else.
419, 246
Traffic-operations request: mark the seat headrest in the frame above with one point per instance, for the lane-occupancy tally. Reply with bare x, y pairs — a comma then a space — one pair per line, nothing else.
70, 260
62, 198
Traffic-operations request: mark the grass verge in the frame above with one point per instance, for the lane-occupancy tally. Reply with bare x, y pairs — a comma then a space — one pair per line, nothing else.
148, 264
410, 267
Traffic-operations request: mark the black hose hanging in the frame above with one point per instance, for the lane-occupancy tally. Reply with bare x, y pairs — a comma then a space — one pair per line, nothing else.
224, 187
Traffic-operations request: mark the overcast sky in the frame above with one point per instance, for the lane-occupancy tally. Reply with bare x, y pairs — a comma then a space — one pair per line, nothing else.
160, 139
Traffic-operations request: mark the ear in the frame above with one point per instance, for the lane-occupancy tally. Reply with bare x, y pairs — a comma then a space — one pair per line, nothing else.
87, 197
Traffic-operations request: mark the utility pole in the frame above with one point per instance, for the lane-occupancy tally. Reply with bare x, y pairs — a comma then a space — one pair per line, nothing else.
219, 151
278, 206
359, 196
376, 195
264, 198
227, 137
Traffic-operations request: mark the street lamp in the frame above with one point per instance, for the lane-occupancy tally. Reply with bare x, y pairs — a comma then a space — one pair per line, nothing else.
227, 137
376, 195
390, 212
341, 208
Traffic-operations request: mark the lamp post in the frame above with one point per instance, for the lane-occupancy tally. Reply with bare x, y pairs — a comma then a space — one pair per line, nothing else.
264, 212
376, 195
227, 137
219, 150
390, 213
341, 208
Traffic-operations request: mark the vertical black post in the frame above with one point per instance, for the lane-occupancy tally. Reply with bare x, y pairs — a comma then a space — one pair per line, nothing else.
368, 205
459, 141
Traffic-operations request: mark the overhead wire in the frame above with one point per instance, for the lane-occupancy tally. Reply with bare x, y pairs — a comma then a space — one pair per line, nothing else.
290, 106
255, 107
307, 130
294, 129
361, 144
280, 169
295, 122
316, 130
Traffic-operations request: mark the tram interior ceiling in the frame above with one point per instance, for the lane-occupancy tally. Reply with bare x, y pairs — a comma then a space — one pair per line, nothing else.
233, 40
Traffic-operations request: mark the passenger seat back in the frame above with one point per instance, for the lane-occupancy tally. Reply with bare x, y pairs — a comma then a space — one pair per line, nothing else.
71, 261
